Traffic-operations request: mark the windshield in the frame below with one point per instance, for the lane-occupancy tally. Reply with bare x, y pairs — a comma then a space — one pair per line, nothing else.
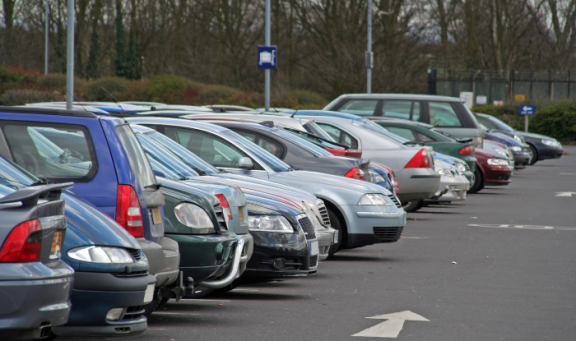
310, 147
161, 155
501, 124
184, 155
13, 176
263, 156
136, 157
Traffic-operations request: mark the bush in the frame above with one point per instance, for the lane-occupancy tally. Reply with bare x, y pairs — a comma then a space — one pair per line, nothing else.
135, 91
21, 97
53, 81
169, 88
9, 76
556, 120
95, 89
308, 99
217, 94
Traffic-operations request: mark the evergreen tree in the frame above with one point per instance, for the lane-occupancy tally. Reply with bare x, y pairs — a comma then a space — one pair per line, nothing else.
92, 68
120, 43
132, 62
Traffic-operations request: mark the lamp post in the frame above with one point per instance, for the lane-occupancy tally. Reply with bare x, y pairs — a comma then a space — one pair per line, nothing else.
47, 29
70, 56
267, 71
369, 54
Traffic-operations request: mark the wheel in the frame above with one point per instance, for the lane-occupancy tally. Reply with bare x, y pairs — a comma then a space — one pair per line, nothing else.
156, 303
478, 182
533, 155
337, 225
413, 206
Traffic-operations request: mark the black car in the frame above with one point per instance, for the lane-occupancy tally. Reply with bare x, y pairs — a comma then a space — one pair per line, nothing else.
298, 153
543, 147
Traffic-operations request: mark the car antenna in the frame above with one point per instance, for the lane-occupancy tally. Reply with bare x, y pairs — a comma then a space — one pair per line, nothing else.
68, 92
116, 101
294, 114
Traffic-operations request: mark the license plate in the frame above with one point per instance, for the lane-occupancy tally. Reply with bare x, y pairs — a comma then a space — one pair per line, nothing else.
56, 248
241, 211
335, 237
156, 216
314, 249
149, 294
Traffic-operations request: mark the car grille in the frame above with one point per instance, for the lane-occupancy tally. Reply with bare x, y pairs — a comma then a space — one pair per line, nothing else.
395, 200
307, 228
313, 261
133, 313
135, 254
388, 234
131, 274
220, 217
323, 213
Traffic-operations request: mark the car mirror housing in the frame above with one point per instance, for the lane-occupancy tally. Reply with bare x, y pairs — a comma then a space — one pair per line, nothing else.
245, 163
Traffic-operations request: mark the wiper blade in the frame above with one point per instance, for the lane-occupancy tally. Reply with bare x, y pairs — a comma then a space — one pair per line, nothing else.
413, 142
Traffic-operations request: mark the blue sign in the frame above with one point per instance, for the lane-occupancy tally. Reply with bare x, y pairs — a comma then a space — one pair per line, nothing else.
527, 110
267, 57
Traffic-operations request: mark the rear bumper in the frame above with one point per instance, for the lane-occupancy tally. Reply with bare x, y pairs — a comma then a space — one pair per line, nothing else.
325, 238
94, 294
163, 259
26, 304
417, 183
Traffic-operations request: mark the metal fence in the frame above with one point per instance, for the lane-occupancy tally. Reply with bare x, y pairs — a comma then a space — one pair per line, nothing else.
503, 85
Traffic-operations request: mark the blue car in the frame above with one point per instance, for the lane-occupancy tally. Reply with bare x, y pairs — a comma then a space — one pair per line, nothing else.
521, 151
102, 156
111, 280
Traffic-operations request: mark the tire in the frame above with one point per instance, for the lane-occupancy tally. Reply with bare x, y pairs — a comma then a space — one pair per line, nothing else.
413, 206
156, 303
478, 182
337, 225
534, 158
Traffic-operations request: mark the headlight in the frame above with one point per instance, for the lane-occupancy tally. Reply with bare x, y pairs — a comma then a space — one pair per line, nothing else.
552, 143
101, 254
497, 162
375, 200
194, 217
516, 148
518, 138
462, 168
444, 171
269, 223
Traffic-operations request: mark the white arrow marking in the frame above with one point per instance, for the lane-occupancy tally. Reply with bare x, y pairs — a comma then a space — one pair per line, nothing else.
392, 327
565, 194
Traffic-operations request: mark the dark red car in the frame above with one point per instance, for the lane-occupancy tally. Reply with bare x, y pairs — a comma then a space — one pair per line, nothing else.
492, 170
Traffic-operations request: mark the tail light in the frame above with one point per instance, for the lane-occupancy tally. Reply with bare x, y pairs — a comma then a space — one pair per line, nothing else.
337, 152
357, 153
128, 212
468, 150
420, 160
225, 205
23, 244
393, 176
355, 173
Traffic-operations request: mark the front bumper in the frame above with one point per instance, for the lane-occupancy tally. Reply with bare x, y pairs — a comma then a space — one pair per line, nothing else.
451, 189
95, 293
548, 152
369, 225
41, 298
497, 175
163, 259
326, 237
521, 159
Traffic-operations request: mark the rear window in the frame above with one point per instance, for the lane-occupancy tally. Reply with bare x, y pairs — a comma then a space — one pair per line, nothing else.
442, 114
138, 161
57, 152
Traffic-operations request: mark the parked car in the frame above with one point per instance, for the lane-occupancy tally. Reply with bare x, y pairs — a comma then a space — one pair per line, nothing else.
521, 152
412, 164
111, 280
363, 213
453, 184
427, 135
445, 113
493, 169
60, 145
543, 147
308, 203
501, 149
36, 283
227, 107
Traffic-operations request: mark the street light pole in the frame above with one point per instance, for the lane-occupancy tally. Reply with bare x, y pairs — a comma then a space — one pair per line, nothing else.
369, 55
47, 27
267, 71
70, 56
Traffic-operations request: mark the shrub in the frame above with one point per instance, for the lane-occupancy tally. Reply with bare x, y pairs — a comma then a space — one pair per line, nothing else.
167, 88
135, 91
53, 81
95, 89
23, 96
556, 120
308, 99
252, 100
213, 94
9, 76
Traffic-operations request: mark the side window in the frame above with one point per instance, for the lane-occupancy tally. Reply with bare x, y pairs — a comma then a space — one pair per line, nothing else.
403, 132
362, 107
249, 136
442, 114
56, 152
208, 147
486, 122
339, 135
397, 109
416, 112
271, 146
424, 138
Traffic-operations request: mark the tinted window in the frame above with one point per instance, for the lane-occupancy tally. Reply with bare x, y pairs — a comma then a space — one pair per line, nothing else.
424, 138
442, 114
249, 136
397, 109
340, 135
362, 107
56, 152
136, 157
403, 132
270, 146
313, 128
303, 143
416, 112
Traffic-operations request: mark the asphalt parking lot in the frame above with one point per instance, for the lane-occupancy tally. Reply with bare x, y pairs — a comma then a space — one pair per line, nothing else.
499, 266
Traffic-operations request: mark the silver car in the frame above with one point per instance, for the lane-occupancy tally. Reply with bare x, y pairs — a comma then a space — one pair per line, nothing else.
364, 213
453, 184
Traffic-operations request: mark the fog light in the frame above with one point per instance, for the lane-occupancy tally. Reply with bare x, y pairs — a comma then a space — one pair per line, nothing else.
114, 314
278, 263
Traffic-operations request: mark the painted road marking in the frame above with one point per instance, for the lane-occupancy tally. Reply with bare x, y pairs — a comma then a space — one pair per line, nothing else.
565, 194
168, 313
527, 227
567, 173
392, 327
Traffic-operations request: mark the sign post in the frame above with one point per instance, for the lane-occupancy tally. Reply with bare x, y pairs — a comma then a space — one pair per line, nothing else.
70, 56
527, 110
267, 62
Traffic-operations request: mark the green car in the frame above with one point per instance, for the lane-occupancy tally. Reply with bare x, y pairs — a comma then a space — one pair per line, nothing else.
426, 134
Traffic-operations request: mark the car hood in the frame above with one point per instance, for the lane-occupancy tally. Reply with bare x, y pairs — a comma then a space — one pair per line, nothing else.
532, 135
489, 153
331, 180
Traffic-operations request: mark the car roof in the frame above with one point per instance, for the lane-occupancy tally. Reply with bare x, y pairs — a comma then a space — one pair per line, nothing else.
177, 122
418, 97
46, 111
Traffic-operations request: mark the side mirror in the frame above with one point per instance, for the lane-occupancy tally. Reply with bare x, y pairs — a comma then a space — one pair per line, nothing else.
245, 163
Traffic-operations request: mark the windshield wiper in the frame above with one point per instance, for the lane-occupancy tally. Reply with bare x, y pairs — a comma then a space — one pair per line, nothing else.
413, 142
200, 172
292, 168
221, 171
40, 181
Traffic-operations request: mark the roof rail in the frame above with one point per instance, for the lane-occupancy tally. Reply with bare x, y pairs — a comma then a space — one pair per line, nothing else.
45, 111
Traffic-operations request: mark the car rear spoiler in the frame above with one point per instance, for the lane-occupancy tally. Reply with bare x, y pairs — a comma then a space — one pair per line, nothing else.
29, 196
464, 140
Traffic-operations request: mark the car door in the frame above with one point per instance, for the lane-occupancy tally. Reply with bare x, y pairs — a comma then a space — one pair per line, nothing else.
213, 149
